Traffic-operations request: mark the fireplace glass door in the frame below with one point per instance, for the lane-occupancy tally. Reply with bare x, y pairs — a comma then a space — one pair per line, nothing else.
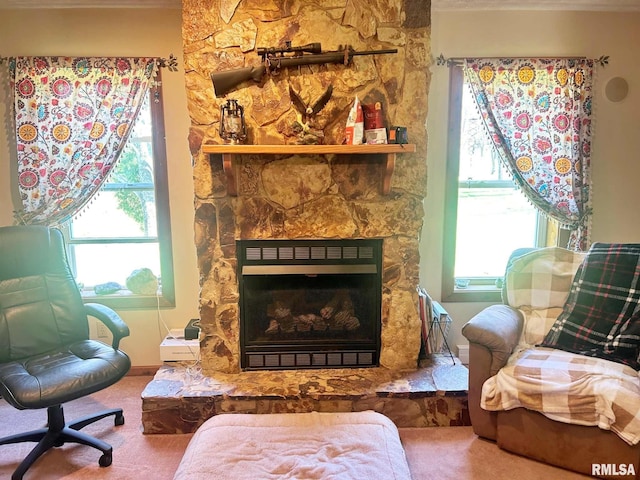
309, 304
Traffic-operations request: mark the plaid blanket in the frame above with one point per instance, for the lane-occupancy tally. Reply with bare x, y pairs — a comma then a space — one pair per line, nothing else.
569, 388
601, 317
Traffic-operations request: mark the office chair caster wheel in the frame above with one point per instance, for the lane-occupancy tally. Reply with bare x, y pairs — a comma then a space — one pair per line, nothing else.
105, 460
119, 420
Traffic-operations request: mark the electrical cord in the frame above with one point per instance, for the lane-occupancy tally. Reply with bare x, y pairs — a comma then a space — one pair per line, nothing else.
193, 368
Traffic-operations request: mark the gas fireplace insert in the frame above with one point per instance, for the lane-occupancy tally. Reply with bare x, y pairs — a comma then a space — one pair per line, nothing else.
309, 303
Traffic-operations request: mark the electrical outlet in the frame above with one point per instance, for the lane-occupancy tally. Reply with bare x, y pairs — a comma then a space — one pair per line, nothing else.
102, 330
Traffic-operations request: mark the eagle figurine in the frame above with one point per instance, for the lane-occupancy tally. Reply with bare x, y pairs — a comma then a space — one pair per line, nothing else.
308, 135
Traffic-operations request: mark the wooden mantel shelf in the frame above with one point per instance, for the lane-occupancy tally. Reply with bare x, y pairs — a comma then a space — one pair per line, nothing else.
228, 152
308, 149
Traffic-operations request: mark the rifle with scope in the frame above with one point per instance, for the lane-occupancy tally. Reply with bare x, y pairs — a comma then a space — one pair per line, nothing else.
274, 59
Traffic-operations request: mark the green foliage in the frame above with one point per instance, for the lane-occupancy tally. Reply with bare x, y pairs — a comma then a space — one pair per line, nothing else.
131, 169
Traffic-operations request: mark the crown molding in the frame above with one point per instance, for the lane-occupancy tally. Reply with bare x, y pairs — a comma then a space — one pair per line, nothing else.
436, 5
567, 5
39, 4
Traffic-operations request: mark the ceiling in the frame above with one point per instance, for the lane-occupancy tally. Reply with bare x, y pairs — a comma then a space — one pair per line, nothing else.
436, 5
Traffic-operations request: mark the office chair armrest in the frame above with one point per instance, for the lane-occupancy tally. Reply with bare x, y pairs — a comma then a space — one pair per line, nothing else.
111, 319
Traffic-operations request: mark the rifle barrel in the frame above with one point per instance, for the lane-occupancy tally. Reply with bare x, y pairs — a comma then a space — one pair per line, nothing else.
375, 52
337, 56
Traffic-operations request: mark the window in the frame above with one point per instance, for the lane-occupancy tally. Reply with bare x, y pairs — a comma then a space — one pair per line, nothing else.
126, 225
486, 216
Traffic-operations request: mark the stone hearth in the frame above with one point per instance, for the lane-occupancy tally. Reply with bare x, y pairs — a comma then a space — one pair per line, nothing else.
179, 398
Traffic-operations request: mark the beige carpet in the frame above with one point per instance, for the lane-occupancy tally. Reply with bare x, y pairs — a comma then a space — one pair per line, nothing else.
432, 453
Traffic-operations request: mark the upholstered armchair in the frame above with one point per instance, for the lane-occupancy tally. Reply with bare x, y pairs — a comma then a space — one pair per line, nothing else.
563, 406
46, 356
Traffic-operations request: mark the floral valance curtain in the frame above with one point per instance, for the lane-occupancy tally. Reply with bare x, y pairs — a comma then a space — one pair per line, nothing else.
72, 120
538, 114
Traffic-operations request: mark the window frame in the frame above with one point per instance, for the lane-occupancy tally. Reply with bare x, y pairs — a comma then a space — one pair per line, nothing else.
166, 294
480, 289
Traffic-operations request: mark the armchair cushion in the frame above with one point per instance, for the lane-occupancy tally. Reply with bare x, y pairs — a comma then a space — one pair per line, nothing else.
601, 317
569, 388
541, 278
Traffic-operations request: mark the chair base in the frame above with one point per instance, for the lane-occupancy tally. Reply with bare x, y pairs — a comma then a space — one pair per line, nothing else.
58, 433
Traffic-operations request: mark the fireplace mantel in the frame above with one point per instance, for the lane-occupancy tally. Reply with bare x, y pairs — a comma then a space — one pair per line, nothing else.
387, 152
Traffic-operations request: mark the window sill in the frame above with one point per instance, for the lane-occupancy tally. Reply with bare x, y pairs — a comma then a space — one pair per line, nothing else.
473, 293
127, 300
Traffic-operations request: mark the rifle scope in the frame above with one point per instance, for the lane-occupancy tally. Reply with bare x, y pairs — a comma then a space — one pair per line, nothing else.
309, 48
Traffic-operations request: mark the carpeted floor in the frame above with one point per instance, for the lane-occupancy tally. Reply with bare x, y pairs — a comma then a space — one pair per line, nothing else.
433, 453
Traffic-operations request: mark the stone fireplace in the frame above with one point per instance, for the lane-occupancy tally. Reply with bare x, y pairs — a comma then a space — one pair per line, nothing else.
279, 194
305, 196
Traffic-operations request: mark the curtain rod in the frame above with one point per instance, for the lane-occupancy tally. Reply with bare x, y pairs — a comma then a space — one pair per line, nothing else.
457, 61
170, 63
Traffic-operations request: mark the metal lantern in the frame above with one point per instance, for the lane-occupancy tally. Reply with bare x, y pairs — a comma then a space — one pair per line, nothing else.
232, 127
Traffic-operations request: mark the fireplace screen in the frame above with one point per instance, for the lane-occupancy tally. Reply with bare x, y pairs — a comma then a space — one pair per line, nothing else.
309, 303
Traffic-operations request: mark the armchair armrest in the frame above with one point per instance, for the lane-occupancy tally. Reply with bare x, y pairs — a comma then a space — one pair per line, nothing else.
493, 333
497, 328
111, 319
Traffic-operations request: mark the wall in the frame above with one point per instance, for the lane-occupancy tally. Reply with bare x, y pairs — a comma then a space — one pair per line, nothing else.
111, 32
616, 142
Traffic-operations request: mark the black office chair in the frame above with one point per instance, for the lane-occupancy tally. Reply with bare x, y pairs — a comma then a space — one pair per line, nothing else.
46, 356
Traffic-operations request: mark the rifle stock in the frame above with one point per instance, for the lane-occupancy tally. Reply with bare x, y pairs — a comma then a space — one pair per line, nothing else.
228, 79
